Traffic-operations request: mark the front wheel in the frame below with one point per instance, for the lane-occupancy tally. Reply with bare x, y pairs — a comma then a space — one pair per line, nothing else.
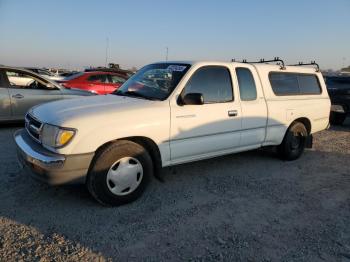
294, 142
119, 173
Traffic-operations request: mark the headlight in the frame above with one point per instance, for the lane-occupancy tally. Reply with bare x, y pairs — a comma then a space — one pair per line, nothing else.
54, 136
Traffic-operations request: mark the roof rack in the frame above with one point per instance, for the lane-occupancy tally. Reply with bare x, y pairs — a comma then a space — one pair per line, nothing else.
279, 61
307, 64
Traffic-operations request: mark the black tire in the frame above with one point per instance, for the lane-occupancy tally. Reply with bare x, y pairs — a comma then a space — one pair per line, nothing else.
293, 143
337, 118
104, 159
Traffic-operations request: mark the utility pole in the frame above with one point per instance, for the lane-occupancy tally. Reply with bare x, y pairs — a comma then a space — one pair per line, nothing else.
166, 53
107, 46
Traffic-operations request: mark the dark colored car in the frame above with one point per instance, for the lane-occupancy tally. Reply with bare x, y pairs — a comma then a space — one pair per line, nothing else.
67, 74
339, 92
22, 89
98, 82
113, 68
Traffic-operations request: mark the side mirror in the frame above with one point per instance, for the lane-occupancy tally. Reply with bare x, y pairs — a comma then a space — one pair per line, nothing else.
193, 99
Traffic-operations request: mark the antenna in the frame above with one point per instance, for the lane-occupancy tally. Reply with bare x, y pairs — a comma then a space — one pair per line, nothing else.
107, 45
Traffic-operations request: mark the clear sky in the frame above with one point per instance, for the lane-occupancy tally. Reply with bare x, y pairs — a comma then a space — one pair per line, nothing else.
73, 33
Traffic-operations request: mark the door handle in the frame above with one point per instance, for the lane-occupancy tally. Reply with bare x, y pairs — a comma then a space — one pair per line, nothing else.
232, 113
19, 96
186, 116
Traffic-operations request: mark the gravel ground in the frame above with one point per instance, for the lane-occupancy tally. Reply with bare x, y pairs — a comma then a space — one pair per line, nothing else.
244, 207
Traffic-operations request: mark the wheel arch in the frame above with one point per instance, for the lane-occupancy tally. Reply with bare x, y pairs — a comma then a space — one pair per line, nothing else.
149, 145
305, 121
289, 152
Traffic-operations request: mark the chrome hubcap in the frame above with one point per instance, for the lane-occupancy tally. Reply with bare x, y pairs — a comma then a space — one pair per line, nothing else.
124, 176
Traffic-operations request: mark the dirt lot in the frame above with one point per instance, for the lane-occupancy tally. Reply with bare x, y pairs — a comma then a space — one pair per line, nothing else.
244, 207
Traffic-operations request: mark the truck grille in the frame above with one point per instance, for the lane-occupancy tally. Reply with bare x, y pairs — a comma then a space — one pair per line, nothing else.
33, 127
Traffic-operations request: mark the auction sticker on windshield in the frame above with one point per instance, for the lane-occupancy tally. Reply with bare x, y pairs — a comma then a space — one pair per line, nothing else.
177, 68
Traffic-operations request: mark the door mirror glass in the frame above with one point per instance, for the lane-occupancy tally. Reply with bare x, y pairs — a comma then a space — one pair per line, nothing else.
193, 99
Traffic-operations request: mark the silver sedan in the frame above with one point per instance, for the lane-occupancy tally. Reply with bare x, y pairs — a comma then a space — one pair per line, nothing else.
21, 89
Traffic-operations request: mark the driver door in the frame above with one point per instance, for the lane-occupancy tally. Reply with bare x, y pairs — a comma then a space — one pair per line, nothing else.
27, 90
200, 131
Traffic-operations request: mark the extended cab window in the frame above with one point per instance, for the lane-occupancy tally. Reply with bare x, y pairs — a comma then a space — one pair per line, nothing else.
213, 82
247, 88
308, 84
294, 83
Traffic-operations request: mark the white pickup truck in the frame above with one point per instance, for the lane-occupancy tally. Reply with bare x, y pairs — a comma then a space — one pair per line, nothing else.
170, 113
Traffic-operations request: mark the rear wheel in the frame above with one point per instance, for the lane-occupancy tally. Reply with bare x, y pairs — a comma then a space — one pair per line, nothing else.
119, 173
337, 118
294, 142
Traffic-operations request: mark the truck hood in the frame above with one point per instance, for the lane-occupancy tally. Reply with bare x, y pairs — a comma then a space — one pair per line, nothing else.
70, 112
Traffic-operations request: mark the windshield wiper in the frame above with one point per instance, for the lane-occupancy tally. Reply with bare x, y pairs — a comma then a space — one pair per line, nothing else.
134, 94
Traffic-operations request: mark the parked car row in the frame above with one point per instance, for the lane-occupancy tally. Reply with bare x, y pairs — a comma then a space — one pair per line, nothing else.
22, 89
97, 82
339, 93
46, 73
102, 81
114, 68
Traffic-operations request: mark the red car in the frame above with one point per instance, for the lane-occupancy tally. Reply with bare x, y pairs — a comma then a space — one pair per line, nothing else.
97, 82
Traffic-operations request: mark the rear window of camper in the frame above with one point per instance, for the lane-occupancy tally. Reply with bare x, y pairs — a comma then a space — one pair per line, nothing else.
294, 84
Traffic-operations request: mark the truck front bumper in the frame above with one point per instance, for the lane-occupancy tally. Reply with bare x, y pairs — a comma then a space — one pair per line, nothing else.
49, 167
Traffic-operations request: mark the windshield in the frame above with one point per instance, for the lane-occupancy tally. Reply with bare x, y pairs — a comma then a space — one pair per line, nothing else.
155, 81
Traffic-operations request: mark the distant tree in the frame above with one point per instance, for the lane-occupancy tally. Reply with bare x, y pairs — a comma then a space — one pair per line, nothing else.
133, 69
346, 69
